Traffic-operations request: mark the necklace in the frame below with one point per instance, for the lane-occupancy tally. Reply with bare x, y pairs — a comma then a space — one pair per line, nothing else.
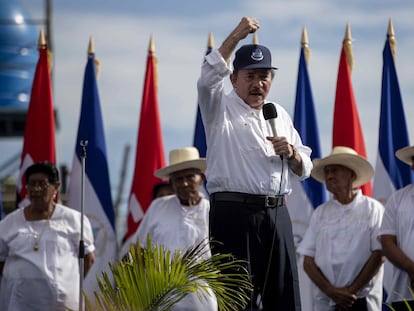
37, 235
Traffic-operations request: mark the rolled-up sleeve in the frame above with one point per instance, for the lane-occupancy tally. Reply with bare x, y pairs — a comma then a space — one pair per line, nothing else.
307, 165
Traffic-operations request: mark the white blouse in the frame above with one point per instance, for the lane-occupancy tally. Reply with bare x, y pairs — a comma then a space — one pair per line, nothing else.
41, 270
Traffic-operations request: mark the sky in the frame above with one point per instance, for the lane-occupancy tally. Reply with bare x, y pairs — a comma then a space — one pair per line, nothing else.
121, 31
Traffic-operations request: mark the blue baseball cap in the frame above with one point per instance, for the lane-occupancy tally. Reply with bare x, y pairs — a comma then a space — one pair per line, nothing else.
253, 56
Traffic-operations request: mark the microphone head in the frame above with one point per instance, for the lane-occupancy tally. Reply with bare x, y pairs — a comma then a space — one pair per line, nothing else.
269, 111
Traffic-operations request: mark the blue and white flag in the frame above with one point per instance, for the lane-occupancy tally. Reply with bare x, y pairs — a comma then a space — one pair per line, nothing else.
390, 173
308, 194
98, 205
199, 140
200, 135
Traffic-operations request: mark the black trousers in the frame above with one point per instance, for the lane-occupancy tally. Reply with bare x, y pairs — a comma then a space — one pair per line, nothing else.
359, 305
401, 306
263, 237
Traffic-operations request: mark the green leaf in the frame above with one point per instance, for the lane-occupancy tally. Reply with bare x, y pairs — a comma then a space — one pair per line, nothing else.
153, 278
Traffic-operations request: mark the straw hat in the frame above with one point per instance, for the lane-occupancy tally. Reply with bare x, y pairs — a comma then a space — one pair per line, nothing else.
347, 157
182, 159
406, 155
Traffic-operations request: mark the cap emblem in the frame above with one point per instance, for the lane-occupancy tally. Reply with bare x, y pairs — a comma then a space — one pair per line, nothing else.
257, 55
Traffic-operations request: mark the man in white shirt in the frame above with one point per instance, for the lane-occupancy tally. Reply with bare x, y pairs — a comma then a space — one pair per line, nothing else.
180, 221
342, 254
249, 166
397, 238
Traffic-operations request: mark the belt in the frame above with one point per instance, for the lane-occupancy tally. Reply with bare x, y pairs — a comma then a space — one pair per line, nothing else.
270, 201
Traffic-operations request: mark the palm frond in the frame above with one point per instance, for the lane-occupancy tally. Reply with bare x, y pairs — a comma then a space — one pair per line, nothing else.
406, 303
153, 278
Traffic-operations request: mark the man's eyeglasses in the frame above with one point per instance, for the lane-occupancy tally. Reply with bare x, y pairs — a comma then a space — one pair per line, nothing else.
41, 185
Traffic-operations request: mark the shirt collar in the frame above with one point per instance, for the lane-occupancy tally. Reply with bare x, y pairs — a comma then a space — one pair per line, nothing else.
351, 204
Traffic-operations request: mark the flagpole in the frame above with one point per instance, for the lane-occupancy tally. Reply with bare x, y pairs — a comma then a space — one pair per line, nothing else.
83, 144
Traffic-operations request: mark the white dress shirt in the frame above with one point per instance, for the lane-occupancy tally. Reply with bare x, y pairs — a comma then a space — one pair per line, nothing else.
239, 157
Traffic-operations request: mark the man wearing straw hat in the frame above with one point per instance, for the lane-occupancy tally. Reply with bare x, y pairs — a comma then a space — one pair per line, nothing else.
342, 254
397, 238
180, 221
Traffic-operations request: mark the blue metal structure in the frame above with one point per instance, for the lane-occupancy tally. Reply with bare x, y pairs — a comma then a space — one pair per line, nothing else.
18, 57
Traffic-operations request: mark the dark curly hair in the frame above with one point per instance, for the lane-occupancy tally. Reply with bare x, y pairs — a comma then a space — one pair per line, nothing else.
46, 168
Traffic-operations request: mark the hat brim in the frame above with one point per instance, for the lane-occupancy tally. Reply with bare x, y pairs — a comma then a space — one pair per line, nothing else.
256, 66
359, 165
406, 155
167, 171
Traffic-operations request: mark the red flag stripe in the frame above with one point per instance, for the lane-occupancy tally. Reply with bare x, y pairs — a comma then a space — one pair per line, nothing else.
39, 133
150, 150
347, 130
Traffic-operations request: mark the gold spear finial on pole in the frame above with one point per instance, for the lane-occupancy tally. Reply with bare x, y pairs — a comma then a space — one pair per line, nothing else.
151, 52
305, 44
255, 38
91, 50
391, 38
91, 47
210, 41
151, 46
347, 44
41, 43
